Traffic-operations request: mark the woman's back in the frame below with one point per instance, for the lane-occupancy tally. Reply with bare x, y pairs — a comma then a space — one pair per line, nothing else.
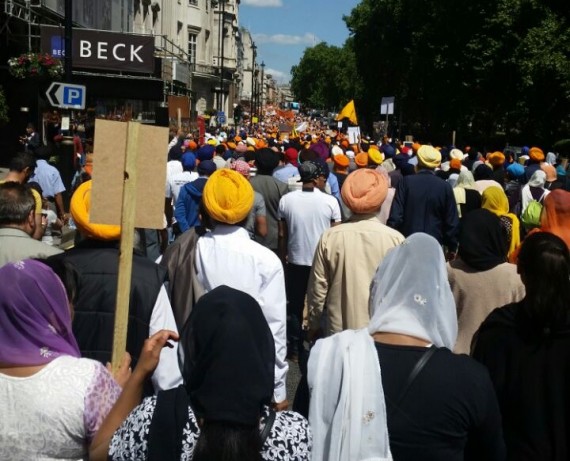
53, 413
531, 376
289, 439
450, 411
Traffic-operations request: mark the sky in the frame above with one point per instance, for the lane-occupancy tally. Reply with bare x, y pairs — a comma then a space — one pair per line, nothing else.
283, 29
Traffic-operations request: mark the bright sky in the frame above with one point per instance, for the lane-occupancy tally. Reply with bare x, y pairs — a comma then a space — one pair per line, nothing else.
282, 29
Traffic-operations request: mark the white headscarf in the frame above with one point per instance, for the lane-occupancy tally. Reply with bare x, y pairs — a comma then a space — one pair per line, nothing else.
347, 413
410, 293
537, 179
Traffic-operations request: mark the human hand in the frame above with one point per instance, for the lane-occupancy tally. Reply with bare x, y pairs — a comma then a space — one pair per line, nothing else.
450, 255
281, 406
150, 354
124, 371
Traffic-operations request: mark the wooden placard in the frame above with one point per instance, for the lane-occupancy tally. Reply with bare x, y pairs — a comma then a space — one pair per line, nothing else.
110, 145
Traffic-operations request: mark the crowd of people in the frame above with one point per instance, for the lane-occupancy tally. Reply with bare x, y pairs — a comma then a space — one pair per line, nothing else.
423, 292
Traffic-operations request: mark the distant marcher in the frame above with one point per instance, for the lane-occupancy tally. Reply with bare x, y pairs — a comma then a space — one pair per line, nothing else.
425, 203
49, 178
467, 197
481, 278
495, 200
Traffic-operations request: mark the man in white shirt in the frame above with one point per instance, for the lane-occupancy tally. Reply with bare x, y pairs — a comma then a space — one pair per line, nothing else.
227, 256
303, 217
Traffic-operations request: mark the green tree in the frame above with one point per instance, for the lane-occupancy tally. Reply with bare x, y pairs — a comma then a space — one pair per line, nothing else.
480, 67
325, 77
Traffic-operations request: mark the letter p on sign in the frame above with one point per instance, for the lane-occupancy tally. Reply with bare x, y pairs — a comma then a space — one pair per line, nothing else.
72, 96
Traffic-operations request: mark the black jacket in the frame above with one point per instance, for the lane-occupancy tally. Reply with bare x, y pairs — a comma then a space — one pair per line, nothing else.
93, 322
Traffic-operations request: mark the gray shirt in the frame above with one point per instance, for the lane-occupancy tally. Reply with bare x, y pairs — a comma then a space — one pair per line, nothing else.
16, 245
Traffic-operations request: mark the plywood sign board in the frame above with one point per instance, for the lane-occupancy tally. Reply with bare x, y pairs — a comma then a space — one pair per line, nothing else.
108, 174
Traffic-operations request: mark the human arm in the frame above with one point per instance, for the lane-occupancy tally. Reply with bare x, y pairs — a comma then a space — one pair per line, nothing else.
273, 303
317, 288
167, 374
59, 206
282, 241
180, 210
131, 395
260, 217
396, 218
451, 222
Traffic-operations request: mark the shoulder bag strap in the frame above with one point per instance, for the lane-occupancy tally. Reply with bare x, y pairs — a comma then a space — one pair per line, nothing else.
268, 425
418, 367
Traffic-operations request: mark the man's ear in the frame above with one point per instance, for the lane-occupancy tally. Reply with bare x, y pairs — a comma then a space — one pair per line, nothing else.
31, 221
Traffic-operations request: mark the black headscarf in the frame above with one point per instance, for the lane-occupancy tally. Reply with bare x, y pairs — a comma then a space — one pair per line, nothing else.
228, 357
483, 172
482, 242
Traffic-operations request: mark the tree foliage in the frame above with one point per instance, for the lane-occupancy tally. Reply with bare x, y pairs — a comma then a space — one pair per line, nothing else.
325, 77
483, 68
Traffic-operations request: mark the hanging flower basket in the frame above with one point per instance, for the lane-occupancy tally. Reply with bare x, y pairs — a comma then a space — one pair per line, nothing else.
35, 65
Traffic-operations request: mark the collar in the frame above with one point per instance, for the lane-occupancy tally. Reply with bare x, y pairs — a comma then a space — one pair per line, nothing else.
424, 171
230, 229
13, 232
364, 217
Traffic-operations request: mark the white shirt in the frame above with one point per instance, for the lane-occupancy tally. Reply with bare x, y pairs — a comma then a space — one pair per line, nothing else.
308, 214
227, 256
175, 182
167, 374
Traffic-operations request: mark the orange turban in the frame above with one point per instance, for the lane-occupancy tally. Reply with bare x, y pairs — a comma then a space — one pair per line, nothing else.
344, 143
341, 160
80, 206
228, 196
536, 154
416, 146
361, 160
192, 145
455, 164
88, 164
364, 191
496, 158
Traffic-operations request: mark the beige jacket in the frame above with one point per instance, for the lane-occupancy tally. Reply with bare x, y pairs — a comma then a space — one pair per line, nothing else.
478, 293
345, 262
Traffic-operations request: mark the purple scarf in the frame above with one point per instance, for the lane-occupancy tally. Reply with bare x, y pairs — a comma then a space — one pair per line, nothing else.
35, 323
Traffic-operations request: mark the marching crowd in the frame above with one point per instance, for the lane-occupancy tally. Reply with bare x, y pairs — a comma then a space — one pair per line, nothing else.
423, 292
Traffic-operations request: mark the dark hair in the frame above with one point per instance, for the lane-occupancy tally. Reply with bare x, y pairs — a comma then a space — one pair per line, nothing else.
227, 442
544, 265
35, 186
220, 149
43, 152
21, 161
67, 273
16, 203
307, 154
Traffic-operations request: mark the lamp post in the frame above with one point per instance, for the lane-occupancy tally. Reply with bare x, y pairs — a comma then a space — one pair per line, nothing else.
262, 89
222, 20
253, 50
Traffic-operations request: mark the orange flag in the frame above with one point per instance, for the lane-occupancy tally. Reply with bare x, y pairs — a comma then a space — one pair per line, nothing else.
348, 112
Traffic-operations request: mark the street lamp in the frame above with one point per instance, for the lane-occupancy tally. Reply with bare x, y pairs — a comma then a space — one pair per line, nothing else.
253, 50
262, 89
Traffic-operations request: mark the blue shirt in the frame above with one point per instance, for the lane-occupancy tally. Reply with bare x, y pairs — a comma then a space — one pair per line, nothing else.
285, 172
48, 178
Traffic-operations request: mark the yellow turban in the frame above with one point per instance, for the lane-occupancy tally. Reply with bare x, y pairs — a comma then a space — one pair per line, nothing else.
79, 208
227, 196
375, 156
429, 156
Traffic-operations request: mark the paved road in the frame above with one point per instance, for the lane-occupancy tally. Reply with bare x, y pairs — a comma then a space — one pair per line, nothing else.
293, 378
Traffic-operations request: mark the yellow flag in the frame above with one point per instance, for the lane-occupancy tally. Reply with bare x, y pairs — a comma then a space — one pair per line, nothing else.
348, 112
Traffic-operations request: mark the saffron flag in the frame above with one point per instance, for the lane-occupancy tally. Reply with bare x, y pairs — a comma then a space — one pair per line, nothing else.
348, 112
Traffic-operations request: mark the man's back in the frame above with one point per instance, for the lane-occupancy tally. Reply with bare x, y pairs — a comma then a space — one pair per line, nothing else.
16, 245
425, 203
308, 214
272, 191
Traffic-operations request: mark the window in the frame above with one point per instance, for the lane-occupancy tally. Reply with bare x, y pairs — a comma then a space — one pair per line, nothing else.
192, 41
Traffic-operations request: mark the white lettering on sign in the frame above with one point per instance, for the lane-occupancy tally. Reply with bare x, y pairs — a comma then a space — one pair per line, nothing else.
84, 49
102, 50
115, 48
134, 53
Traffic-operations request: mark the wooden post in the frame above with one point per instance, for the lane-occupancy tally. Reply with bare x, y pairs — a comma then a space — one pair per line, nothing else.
453, 138
179, 111
126, 248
